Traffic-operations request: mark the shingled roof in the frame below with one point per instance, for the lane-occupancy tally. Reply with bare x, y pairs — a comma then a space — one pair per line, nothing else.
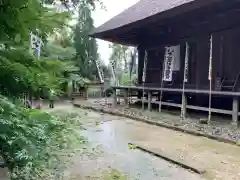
141, 10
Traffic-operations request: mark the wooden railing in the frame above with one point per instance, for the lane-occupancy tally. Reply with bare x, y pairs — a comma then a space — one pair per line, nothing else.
236, 81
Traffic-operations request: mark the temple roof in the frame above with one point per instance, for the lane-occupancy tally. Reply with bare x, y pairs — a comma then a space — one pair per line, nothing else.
139, 11
127, 27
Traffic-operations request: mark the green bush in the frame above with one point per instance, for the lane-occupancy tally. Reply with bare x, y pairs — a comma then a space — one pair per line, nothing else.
32, 143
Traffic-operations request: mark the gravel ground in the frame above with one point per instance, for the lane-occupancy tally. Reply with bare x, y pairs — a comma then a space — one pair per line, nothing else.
112, 133
218, 127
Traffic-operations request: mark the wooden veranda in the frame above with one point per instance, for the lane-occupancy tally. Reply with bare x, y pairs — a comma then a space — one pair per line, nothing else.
153, 93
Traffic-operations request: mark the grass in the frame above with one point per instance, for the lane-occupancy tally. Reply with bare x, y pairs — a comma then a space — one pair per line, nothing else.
114, 175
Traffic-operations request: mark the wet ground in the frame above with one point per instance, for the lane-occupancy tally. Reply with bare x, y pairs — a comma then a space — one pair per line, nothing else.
109, 137
114, 136
219, 126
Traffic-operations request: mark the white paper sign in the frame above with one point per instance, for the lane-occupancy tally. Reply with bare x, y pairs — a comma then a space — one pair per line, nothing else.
168, 64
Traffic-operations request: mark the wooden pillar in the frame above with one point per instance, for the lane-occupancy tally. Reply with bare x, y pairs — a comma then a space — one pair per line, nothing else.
184, 106
126, 97
141, 54
114, 97
149, 100
86, 94
235, 111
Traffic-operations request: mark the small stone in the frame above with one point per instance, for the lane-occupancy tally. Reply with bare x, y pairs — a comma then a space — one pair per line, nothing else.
203, 121
217, 132
224, 162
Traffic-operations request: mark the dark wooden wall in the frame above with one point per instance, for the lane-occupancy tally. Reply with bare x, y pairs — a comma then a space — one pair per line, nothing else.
226, 60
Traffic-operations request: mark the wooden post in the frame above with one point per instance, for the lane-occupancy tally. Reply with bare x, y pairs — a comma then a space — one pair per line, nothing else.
149, 100
235, 111
210, 80
184, 106
126, 97
86, 94
114, 97
185, 80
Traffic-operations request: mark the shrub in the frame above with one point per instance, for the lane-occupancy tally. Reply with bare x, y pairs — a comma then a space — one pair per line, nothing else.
32, 143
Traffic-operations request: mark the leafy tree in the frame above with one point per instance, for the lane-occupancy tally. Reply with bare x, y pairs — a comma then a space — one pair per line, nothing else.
119, 60
123, 59
32, 142
18, 18
74, 3
22, 73
86, 47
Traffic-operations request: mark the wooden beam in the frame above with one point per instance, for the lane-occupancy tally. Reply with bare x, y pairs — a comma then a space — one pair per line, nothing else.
184, 106
149, 100
114, 97
216, 24
192, 27
126, 97
198, 108
176, 90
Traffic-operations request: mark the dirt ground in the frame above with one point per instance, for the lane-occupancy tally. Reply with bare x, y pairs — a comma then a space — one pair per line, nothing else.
221, 161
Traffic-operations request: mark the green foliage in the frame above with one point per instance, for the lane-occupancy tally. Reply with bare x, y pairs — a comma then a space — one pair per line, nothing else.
34, 143
22, 72
120, 60
86, 47
114, 175
126, 80
18, 18
119, 56
74, 3
132, 146
238, 143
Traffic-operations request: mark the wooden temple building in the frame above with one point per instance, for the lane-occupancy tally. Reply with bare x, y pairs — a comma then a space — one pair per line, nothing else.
202, 38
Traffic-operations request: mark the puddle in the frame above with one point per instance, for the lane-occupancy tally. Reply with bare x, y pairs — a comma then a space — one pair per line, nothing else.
113, 138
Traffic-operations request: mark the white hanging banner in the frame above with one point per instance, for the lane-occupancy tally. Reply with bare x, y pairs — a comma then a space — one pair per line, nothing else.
210, 61
176, 54
144, 68
186, 64
35, 44
100, 72
168, 64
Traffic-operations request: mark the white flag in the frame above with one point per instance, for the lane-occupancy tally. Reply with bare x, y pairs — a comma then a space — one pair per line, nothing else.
100, 71
144, 68
186, 63
35, 44
210, 60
